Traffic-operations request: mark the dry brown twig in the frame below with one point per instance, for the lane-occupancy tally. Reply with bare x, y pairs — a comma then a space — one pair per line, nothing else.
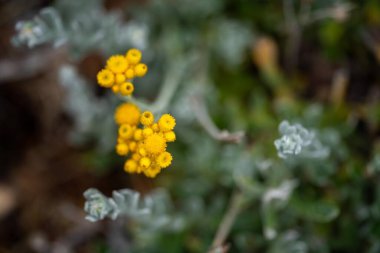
295, 22
338, 11
234, 208
339, 86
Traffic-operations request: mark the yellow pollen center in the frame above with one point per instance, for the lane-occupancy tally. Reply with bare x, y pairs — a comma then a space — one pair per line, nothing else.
155, 144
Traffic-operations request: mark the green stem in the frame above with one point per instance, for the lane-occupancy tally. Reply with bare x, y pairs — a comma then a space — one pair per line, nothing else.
167, 91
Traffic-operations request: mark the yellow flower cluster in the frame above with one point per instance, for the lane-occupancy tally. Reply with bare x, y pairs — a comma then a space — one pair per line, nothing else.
120, 70
140, 138
144, 139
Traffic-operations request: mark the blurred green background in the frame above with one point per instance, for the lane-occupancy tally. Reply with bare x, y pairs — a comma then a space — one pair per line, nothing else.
245, 66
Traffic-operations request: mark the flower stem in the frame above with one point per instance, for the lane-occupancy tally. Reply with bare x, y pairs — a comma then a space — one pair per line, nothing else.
171, 83
235, 206
204, 119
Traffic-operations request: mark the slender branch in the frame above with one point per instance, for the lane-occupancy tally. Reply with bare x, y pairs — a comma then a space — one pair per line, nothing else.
204, 119
235, 206
294, 34
339, 86
371, 43
305, 11
339, 12
171, 83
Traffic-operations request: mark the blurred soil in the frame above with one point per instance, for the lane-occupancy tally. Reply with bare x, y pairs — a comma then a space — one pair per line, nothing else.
42, 178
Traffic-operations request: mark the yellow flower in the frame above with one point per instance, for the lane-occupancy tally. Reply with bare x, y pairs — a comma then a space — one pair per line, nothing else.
141, 69
125, 131
152, 171
132, 146
145, 144
136, 157
142, 151
117, 64
133, 56
129, 74
130, 166
155, 144
147, 118
147, 131
145, 162
105, 78
127, 113
164, 159
166, 122
126, 89
120, 78
170, 136
155, 127
139, 169
116, 88
138, 135
122, 149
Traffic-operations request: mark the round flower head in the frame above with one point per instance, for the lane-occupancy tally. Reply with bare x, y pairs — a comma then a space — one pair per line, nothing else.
138, 135
155, 144
126, 89
127, 113
130, 73
145, 162
152, 171
125, 131
166, 122
105, 78
164, 159
155, 127
147, 118
116, 88
147, 131
142, 151
130, 166
133, 56
139, 169
136, 157
132, 146
170, 136
141, 69
122, 149
119, 78
117, 64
